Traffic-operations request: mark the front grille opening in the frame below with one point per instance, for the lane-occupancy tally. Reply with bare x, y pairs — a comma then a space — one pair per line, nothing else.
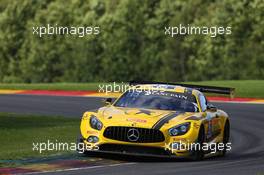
120, 133
134, 149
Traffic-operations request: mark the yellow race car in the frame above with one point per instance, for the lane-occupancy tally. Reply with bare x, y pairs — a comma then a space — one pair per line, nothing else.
158, 119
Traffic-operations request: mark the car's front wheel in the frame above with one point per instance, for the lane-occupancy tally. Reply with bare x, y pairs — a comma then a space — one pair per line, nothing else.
198, 153
226, 137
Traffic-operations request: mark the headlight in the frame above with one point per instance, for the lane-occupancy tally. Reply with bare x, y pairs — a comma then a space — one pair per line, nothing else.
179, 129
95, 123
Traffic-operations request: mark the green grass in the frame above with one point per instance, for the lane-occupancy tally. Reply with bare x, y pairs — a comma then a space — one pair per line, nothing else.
51, 86
244, 88
18, 132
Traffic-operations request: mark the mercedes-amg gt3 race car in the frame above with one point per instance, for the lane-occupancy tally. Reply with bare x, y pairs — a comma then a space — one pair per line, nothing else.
159, 119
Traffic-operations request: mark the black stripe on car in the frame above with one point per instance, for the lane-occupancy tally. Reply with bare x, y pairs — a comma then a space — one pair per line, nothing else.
165, 119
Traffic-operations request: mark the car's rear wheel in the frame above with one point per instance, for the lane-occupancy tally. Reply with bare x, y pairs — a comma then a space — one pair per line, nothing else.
198, 154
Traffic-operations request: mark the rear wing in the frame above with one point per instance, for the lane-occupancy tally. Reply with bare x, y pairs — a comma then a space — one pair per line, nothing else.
208, 89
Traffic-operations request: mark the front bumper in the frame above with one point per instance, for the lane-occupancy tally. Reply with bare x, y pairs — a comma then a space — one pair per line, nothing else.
133, 149
158, 147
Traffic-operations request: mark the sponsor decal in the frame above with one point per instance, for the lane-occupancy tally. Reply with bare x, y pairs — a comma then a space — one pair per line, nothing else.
213, 135
91, 132
136, 120
215, 121
168, 94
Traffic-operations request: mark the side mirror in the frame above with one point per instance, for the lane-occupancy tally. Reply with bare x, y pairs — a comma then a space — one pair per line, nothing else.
211, 107
108, 101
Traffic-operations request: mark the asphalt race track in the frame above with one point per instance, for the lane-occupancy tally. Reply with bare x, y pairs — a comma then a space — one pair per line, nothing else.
247, 137
48, 105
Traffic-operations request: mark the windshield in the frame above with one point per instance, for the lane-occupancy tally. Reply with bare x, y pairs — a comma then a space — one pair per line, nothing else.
158, 100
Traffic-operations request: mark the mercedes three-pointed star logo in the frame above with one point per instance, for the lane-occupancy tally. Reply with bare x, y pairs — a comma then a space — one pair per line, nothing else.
133, 135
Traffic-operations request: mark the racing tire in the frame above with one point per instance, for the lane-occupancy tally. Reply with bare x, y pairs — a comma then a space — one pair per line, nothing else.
199, 154
226, 137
